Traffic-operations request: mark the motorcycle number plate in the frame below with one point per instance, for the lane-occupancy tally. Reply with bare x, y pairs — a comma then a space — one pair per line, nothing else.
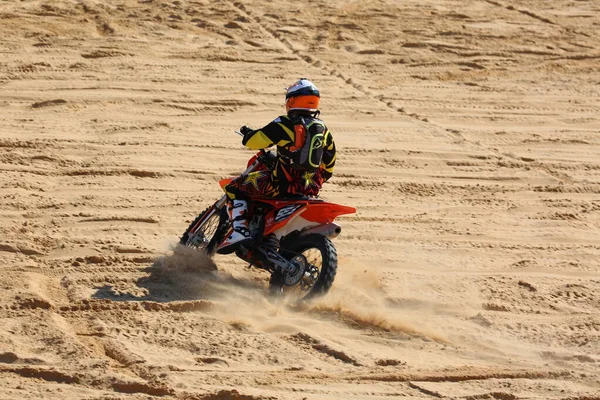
286, 212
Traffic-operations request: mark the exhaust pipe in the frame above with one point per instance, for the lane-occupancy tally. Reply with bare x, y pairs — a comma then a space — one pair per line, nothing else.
330, 230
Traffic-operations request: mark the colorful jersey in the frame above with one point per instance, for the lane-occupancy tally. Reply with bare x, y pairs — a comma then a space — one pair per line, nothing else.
280, 132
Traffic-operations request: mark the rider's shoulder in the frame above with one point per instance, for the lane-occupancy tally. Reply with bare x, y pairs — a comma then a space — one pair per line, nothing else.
290, 121
281, 119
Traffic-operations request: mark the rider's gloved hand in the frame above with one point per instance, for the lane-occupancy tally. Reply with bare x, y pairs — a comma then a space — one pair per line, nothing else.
245, 130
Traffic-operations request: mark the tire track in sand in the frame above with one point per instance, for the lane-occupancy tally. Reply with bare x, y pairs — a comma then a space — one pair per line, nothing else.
84, 379
447, 133
320, 64
523, 11
536, 16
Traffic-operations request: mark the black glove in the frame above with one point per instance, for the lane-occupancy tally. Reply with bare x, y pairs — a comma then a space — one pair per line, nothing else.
245, 130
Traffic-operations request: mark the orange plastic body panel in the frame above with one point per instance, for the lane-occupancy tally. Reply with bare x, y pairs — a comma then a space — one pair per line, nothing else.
271, 223
313, 211
225, 182
326, 212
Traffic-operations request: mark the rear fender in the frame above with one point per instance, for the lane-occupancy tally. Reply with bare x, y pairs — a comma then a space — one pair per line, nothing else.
301, 215
325, 213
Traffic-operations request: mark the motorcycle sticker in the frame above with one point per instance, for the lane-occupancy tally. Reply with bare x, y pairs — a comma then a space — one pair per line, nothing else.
286, 212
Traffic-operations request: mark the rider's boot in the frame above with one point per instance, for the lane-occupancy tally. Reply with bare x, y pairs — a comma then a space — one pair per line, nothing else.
240, 234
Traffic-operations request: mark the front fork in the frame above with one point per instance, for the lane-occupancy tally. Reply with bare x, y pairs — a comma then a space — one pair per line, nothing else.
221, 202
216, 208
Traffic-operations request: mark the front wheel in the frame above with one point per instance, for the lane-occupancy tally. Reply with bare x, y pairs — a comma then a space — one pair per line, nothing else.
207, 231
321, 267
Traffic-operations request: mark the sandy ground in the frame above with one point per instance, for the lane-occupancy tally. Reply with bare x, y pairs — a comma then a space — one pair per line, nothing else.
469, 141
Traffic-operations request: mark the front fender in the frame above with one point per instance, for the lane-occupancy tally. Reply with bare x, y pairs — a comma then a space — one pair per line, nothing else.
225, 182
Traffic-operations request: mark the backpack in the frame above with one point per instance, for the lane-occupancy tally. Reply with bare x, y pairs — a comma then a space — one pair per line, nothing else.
307, 150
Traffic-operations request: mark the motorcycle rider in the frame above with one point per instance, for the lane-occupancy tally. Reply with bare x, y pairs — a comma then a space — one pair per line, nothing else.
305, 159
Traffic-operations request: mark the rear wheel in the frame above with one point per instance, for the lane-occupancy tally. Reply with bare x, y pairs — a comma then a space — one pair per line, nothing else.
207, 231
320, 257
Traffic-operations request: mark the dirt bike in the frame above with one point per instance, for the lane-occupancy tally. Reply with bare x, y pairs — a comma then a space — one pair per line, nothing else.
292, 237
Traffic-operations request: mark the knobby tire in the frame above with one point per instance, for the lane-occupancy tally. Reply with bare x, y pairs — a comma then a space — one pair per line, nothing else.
217, 237
328, 267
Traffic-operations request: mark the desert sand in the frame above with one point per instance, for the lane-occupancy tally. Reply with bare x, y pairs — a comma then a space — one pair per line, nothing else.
469, 141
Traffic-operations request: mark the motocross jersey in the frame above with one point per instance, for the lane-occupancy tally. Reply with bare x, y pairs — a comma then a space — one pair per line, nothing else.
281, 132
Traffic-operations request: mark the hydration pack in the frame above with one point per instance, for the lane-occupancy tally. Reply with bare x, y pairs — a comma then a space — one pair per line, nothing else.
307, 150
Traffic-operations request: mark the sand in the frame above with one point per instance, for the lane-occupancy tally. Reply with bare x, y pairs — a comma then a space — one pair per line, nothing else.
469, 141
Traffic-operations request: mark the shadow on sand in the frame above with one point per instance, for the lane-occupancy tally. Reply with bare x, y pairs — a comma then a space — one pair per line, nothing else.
184, 275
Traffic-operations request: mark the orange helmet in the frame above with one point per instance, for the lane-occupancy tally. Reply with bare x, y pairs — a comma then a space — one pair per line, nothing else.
302, 95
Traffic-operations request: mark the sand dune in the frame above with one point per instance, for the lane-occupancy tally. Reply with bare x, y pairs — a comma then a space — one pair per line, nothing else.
469, 141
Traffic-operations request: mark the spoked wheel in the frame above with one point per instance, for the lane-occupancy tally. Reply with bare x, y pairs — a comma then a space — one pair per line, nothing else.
207, 231
317, 257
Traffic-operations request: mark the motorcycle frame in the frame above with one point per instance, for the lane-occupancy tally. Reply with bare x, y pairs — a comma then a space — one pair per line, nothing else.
308, 217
